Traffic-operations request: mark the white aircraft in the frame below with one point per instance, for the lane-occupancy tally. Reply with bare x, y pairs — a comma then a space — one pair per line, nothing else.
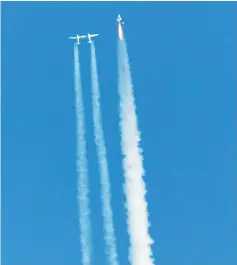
77, 37
89, 36
119, 19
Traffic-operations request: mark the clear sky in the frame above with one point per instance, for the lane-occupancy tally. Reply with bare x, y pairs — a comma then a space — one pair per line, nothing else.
183, 62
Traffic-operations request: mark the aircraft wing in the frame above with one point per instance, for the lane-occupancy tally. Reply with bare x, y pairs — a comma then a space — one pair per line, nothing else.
74, 38
94, 35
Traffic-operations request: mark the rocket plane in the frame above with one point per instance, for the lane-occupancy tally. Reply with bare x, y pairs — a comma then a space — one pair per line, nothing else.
119, 19
120, 29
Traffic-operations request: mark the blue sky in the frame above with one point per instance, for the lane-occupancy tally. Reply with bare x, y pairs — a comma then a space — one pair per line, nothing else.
183, 61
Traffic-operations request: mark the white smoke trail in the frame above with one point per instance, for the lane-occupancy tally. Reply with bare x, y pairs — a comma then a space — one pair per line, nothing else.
140, 250
82, 189
110, 239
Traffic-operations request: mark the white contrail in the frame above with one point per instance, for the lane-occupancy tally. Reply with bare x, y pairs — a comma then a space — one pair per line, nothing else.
110, 239
82, 189
140, 250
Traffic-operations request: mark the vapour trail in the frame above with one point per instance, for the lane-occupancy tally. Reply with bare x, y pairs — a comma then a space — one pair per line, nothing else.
109, 237
82, 169
140, 252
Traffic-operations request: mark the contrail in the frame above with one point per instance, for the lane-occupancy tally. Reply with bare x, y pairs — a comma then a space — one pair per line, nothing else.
82, 189
140, 249
110, 239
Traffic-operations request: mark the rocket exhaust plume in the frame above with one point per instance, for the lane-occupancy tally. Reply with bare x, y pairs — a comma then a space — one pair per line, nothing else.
110, 239
140, 252
120, 31
82, 188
